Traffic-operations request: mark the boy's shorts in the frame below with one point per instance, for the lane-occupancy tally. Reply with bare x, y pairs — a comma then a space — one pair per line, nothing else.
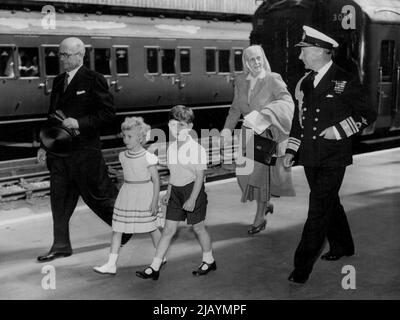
178, 197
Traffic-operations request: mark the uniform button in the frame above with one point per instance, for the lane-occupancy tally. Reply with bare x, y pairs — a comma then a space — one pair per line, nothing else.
317, 110
315, 128
316, 119
303, 118
302, 135
314, 137
304, 109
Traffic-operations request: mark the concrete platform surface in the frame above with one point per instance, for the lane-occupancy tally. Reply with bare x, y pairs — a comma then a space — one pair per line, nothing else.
249, 267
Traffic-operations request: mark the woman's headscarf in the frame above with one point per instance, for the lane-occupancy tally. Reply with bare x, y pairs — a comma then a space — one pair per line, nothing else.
254, 50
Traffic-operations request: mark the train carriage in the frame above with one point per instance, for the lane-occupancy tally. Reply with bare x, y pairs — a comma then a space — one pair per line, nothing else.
150, 63
369, 35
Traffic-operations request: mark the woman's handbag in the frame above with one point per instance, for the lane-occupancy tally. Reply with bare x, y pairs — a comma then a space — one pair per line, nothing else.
261, 149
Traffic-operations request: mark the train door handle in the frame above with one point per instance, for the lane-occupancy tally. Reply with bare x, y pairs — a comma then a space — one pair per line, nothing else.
230, 78
179, 82
45, 86
114, 83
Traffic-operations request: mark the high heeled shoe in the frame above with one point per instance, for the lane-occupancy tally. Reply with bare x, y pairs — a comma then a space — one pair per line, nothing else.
153, 275
257, 229
270, 209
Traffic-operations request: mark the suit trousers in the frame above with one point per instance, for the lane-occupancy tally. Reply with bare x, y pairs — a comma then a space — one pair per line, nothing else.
326, 219
84, 173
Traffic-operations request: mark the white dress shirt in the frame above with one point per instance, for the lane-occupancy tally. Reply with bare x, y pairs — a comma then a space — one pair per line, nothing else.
321, 72
72, 73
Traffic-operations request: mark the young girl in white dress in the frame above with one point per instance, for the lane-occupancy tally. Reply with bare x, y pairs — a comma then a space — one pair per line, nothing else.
136, 207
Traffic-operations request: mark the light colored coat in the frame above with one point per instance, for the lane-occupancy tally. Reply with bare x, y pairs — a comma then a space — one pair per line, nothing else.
271, 98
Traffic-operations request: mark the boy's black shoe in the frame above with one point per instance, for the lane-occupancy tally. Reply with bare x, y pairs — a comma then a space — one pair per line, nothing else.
153, 275
200, 272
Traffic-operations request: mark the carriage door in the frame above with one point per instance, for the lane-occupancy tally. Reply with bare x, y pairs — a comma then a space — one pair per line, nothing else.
387, 83
33, 100
120, 79
184, 81
51, 68
8, 79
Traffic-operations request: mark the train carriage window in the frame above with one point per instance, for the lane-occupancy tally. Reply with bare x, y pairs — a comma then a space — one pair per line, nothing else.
6, 62
121, 57
223, 61
152, 60
210, 60
51, 61
184, 57
102, 61
387, 59
28, 63
237, 60
168, 61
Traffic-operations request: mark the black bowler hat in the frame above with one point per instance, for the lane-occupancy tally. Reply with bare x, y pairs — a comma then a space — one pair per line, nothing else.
58, 140
315, 38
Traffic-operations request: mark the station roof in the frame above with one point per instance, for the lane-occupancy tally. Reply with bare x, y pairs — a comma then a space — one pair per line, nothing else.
74, 24
246, 7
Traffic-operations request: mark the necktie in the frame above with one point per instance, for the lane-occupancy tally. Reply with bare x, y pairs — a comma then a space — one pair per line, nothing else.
66, 81
308, 83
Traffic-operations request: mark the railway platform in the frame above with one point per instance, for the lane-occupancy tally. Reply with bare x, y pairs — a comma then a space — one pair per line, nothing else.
249, 267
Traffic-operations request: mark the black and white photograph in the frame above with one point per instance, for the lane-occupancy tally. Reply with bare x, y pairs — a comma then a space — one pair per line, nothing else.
200, 155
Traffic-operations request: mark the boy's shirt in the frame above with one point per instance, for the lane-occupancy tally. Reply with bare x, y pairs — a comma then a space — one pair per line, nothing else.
183, 162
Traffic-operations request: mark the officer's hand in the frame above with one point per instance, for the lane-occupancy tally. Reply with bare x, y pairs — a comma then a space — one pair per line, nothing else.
71, 123
328, 133
41, 156
288, 160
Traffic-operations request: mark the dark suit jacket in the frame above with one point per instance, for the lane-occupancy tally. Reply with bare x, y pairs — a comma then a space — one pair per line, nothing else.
338, 100
86, 99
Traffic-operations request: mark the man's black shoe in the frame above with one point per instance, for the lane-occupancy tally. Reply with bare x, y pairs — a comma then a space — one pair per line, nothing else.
53, 255
329, 256
297, 278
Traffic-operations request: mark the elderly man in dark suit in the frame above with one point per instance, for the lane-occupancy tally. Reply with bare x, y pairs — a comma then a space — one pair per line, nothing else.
82, 97
331, 108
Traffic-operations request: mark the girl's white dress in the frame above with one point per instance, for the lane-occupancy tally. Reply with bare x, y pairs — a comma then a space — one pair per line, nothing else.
131, 209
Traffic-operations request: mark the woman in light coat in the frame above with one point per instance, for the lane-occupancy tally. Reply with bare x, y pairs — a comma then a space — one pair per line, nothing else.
262, 98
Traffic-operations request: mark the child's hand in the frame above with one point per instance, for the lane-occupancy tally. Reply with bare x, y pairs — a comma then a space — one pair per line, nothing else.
189, 204
165, 199
154, 208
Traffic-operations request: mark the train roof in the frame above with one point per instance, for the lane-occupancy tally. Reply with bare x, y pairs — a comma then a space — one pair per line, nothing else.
75, 24
381, 11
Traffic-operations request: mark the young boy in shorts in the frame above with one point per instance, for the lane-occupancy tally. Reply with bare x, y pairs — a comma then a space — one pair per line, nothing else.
185, 197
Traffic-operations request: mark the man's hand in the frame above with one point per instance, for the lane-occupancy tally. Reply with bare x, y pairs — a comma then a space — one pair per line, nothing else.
328, 133
41, 156
288, 160
189, 204
71, 123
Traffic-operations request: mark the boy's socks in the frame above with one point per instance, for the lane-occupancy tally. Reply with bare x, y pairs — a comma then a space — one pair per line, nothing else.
208, 257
